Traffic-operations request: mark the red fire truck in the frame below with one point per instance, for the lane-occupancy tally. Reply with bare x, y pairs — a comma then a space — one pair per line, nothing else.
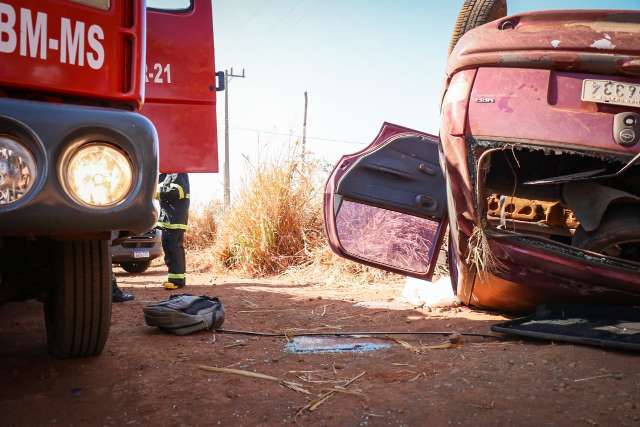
80, 143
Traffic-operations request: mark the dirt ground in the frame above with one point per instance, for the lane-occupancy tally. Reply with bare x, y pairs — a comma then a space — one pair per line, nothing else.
145, 377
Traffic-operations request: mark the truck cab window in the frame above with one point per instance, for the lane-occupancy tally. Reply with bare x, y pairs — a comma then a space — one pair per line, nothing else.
169, 5
98, 4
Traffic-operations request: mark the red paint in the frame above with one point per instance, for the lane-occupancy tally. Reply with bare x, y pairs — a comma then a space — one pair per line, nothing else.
543, 107
117, 78
180, 47
180, 95
531, 43
456, 102
536, 90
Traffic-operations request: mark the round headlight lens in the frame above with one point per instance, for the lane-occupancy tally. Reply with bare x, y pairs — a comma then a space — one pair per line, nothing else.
17, 170
98, 174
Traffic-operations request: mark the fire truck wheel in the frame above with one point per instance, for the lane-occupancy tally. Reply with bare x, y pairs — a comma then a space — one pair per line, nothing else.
475, 13
78, 307
135, 267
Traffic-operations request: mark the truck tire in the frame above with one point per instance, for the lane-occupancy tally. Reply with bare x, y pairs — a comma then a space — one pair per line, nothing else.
135, 267
618, 234
475, 13
78, 307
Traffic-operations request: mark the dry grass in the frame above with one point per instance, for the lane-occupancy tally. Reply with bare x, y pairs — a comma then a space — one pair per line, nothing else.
274, 227
323, 266
274, 222
203, 226
480, 254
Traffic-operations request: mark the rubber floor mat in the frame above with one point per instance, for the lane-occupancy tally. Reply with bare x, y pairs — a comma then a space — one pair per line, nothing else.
616, 327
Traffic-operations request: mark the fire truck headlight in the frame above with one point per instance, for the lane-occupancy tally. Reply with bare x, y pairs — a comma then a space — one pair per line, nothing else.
98, 175
17, 170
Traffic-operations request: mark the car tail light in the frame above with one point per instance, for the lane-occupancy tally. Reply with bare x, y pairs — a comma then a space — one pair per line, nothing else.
456, 102
17, 170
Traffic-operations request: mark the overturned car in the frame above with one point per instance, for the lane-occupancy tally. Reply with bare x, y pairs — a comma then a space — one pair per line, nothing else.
535, 175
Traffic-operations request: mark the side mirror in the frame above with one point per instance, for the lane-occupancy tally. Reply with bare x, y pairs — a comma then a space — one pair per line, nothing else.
220, 81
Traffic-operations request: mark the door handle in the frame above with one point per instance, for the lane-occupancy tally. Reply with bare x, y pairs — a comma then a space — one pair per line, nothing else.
425, 168
426, 203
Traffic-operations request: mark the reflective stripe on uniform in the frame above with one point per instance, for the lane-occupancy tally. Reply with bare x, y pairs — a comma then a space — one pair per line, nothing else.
170, 226
179, 188
177, 276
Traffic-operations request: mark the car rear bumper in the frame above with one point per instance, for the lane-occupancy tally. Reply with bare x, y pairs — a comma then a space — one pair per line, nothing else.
534, 273
47, 130
129, 249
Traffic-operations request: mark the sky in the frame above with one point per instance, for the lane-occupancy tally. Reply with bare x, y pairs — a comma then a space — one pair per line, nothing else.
362, 62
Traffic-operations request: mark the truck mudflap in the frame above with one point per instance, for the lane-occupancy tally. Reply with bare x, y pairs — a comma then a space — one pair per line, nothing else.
49, 131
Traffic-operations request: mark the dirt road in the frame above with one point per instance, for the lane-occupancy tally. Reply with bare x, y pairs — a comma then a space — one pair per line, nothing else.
146, 377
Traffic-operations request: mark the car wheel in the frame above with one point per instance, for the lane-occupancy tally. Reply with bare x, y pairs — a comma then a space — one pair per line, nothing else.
135, 267
475, 13
78, 307
618, 234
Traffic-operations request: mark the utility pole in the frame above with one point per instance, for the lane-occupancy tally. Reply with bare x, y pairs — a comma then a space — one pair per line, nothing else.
228, 74
304, 127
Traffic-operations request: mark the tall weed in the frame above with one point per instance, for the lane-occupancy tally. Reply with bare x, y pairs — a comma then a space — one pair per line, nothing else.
274, 227
274, 222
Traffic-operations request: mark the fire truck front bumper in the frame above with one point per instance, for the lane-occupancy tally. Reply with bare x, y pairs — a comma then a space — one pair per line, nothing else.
69, 170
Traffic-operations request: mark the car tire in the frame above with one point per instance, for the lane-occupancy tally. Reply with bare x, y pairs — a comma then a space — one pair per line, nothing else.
135, 267
78, 307
619, 229
475, 13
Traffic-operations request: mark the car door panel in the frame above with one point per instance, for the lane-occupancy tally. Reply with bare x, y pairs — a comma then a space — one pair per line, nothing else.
396, 176
386, 205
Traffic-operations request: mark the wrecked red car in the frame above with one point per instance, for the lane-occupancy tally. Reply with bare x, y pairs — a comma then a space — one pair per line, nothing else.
535, 175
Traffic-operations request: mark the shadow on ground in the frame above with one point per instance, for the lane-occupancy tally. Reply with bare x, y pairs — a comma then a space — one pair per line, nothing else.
146, 377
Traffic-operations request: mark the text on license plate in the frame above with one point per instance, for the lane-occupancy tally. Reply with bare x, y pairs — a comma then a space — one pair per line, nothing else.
611, 92
140, 254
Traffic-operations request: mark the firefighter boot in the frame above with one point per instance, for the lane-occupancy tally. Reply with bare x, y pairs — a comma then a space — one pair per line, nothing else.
118, 295
172, 286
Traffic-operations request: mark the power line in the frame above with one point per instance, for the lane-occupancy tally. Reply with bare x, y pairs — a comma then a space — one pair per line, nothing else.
317, 138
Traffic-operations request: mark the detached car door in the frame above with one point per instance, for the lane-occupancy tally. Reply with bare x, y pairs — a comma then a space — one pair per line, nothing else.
180, 77
386, 206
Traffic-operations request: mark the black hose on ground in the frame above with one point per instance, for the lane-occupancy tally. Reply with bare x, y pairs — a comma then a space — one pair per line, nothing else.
363, 333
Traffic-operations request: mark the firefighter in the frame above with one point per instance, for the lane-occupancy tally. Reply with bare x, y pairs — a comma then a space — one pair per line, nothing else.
174, 214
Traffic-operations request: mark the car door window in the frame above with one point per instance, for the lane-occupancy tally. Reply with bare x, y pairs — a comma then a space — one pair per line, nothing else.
386, 237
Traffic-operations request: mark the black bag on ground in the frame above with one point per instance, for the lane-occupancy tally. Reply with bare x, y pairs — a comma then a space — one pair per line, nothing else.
185, 313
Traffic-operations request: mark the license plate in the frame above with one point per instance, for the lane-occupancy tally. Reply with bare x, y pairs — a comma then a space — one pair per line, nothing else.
140, 254
611, 92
